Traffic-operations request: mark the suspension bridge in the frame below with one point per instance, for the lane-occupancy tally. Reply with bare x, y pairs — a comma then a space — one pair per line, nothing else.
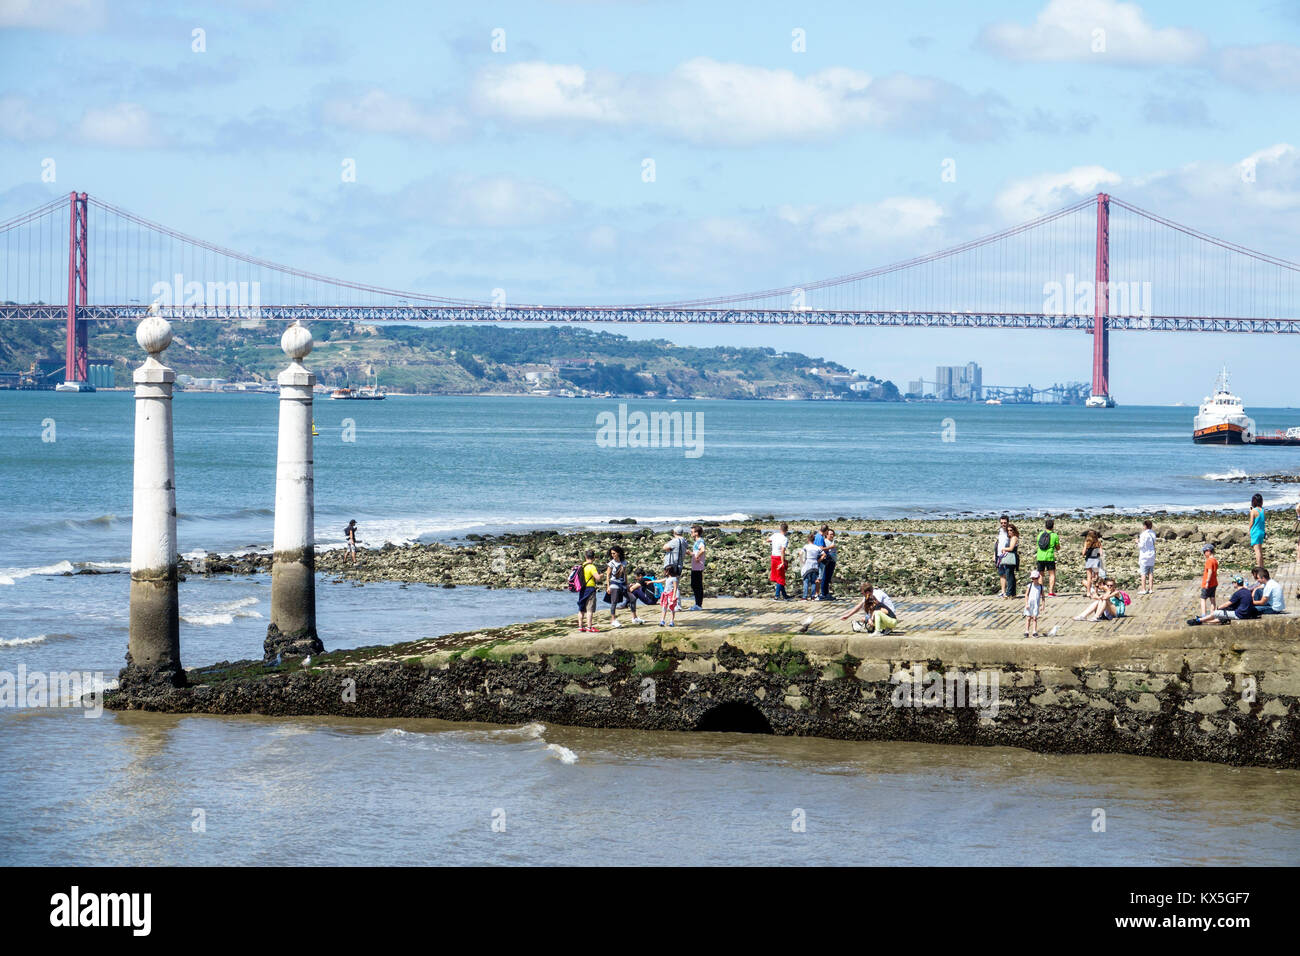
1095, 266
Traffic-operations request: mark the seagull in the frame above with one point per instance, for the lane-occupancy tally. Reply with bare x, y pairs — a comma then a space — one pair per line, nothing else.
805, 624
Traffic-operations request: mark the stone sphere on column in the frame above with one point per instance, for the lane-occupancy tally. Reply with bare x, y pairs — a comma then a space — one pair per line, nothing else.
154, 334
296, 341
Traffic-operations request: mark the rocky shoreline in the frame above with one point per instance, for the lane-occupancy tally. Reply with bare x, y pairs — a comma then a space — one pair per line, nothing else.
905, 556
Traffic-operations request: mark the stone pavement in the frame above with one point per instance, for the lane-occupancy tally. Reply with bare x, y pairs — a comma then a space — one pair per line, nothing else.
982, 618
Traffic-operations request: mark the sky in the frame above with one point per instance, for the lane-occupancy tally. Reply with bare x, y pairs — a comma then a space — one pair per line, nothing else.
457, 149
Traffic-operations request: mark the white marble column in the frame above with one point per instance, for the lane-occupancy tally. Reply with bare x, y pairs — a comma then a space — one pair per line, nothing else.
153, 654
292, 630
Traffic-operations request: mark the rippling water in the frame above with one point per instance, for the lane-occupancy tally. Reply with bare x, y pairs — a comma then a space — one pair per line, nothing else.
133, 787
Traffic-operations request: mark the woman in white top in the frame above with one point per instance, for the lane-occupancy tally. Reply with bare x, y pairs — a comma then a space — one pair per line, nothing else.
812, 559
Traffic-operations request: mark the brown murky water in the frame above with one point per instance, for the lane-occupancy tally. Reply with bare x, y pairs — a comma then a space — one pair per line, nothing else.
238, 791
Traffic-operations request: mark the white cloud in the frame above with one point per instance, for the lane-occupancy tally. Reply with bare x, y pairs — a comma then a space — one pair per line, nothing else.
1262, 67
127, 125
377, 111
68, 16
1065, 30
503, 201
869, 224
705, 101
546, 92
21, 120
1033, 196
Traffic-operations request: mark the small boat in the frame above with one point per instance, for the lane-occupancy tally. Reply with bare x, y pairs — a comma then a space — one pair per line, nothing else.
74, 387
1099, 401
365, 393
1222, 420
994, 401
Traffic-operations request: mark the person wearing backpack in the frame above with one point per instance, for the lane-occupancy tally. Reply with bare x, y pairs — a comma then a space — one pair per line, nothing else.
588, 576
1045, 557
676, 550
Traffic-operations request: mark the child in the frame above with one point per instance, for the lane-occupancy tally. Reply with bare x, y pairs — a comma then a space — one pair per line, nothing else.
1147, 557
1209, 580
812, 557
1034, 602
669, 601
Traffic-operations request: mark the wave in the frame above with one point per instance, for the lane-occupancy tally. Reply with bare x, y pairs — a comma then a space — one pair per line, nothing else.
38, 639
565, 755
401, 531
10, 575
1228, 475
219, 614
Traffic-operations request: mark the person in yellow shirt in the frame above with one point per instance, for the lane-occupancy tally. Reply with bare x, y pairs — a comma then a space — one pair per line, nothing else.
591, 576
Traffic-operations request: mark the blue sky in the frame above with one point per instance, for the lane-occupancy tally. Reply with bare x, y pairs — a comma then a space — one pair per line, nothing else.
522, 168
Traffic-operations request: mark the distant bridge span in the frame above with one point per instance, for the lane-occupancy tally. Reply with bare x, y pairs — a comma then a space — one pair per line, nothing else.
1154, 275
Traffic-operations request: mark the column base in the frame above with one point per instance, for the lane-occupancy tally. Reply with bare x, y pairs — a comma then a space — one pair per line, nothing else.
150, 678
297, 644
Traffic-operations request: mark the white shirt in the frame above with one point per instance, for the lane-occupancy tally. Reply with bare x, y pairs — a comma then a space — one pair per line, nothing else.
779, 542
1147, 545
1004, 540
1273, 595
811, 553
884, 599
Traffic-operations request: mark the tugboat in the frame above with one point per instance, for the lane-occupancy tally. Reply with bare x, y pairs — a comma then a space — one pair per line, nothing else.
1222, 420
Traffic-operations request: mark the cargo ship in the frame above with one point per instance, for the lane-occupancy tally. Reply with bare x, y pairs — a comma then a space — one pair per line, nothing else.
1222, 420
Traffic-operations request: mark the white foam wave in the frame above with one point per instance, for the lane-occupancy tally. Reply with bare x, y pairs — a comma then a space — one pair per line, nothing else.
223, 613
1225, 475
530, 731
565, 755
20, 641
10, 575
400, 531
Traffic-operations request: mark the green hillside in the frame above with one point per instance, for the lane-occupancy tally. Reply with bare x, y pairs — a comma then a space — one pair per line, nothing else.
468, 359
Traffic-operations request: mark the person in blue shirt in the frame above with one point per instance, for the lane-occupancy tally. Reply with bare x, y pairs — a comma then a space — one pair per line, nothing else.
1240, 607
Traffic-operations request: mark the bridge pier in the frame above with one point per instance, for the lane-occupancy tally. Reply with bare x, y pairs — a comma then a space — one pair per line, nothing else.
153, 656
292, 629
1100, 397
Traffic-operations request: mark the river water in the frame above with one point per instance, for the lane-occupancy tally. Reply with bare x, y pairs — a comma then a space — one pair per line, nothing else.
151, 789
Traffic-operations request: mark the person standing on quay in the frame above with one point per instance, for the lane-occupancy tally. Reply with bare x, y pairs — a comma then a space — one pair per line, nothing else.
616, 584
1147, 557
1003, 545
1092, 562
776, 574
1045, 555
1209, 579
1008, 557
828, 563
812, 559
1034, 602
587, 594
1257, 534
675, 550
697, 566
